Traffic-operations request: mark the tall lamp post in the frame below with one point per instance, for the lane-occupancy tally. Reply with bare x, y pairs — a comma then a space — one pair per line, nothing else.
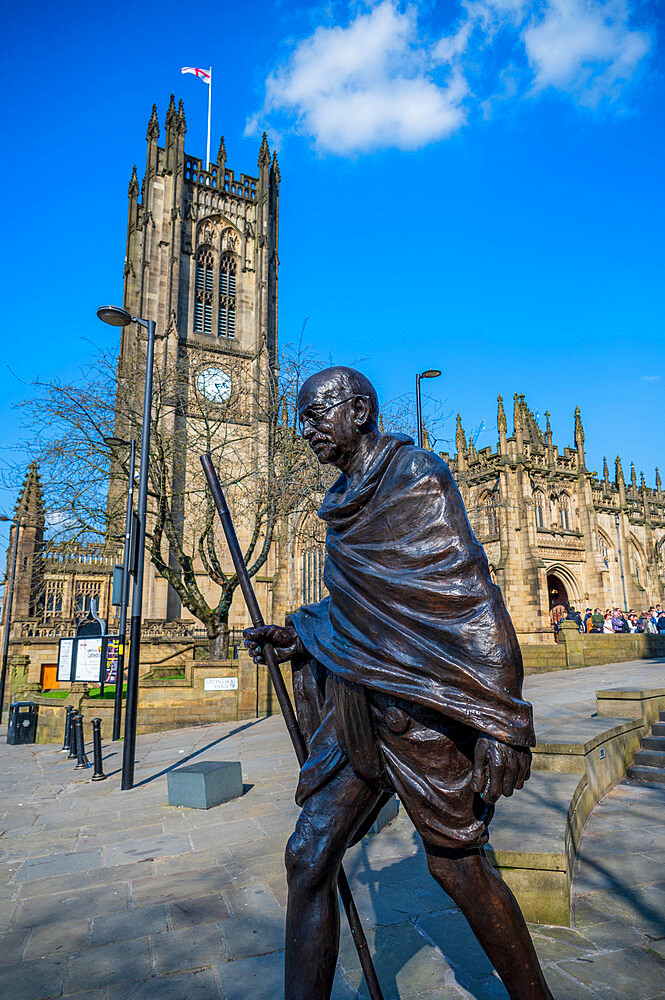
9, 599
114, 442
430, 373
116, 316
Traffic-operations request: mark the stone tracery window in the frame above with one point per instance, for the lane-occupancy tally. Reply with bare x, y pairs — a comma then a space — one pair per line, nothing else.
604, 550
488, 503
226, 319
539, 507
84, 592
203, 290
564, 512
53, 602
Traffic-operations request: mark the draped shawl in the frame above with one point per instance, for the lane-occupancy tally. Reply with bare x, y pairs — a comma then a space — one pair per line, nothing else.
412, 611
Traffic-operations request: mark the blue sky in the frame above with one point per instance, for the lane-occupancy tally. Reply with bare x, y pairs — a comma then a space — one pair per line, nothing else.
474, 187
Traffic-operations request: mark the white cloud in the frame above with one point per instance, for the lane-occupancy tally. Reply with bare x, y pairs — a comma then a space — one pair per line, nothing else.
380, 81
367, 85
651, 378
584, 47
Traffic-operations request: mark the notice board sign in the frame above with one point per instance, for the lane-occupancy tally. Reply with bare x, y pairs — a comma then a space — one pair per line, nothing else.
65, 659
88, 664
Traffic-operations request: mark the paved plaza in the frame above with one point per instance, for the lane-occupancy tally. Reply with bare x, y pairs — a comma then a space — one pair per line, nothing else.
110, 895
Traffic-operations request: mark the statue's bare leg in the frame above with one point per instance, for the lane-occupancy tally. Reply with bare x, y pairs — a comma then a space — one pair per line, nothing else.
313, 857
496, 920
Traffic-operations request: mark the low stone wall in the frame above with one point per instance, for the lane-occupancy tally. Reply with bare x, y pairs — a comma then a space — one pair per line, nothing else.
164, 702
576, 649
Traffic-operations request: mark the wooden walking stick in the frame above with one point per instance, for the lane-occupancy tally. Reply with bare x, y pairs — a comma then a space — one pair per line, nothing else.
285, 705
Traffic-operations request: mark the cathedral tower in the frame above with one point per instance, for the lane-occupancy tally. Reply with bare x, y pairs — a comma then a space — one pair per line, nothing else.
202, 261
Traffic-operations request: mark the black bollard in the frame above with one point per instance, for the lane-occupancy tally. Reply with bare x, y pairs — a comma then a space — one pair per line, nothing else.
81, 761
66, 743
72, 735
97, 750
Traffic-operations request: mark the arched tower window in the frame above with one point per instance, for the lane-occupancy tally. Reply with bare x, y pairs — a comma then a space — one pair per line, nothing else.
539, 507
203, 290
564, 511
226, 321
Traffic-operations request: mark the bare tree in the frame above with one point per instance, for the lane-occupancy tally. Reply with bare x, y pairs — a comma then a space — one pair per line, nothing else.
264, 466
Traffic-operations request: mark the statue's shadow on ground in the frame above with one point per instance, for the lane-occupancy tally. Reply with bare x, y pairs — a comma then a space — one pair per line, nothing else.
418, 938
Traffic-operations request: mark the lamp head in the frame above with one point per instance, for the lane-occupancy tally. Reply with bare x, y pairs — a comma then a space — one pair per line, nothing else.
114, 315
116, 442
431, 373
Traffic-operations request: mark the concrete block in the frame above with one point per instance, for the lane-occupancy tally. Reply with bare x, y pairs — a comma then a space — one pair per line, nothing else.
206, 784
386, 815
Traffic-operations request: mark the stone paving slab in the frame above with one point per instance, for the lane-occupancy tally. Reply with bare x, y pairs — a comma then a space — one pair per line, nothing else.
110, 895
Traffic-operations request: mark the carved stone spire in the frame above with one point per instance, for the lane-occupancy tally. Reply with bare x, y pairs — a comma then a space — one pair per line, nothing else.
579, 430
643, 485
518, 417
171, 114
264, 152
658, 486
381, 430
548, 429
181, 122
501, 423
633, 476
618, 471
133, 184
153, 126
221, 152
460, 440
275, 168
606, 472
426, 442
30, 504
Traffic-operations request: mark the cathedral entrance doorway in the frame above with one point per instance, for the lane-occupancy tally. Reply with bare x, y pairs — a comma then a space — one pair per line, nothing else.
556, 590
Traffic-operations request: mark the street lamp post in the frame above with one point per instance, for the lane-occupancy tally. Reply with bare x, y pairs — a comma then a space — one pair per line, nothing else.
9, 599
116, 316
430, 373
124, 596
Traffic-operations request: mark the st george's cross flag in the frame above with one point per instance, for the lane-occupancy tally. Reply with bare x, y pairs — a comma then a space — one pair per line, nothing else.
203, 74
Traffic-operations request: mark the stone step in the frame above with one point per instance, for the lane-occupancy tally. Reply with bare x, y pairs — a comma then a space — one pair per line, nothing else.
650, 758
658, 728
653, 743
656, 774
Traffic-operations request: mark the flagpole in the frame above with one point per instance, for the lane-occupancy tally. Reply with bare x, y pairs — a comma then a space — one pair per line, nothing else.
209, 109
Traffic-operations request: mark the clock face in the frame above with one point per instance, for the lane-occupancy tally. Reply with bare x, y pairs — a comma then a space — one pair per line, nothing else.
214, 384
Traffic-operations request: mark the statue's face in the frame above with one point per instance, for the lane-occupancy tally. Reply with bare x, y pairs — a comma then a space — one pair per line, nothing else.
329, 419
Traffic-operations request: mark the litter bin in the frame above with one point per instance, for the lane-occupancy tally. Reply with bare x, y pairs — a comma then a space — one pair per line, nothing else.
22, 726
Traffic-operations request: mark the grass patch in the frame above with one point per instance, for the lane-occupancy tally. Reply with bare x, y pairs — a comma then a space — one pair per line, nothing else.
109, 692
54, 694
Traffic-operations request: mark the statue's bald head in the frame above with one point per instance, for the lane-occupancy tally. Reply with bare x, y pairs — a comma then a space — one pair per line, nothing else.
336, 383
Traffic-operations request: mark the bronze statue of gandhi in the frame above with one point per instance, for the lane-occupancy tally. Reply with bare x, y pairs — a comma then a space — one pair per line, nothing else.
407, 679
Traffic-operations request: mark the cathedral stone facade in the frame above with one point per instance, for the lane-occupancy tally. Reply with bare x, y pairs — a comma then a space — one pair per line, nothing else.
202, 260
553, 530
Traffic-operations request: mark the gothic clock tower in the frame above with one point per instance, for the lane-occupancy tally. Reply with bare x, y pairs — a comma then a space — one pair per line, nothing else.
202, 262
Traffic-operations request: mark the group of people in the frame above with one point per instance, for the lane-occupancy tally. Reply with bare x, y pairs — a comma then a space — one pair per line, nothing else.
611, 621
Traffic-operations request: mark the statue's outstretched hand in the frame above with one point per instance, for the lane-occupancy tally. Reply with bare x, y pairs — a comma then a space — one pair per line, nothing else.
283, 638
499, 768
